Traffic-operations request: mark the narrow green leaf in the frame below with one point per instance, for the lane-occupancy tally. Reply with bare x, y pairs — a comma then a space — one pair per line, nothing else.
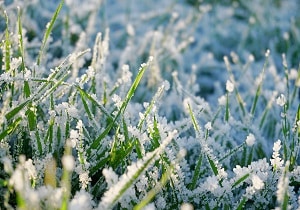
196, 173
227, 108
12, 126
259, 87
154, 191
125, 130
16, 110
114, 152
132, 89
242, 204
49, 28
240, 101
264, 115
195, 124
129, 95
7, 45
240, 180
95, 144
31, 119
132, 179
155, 135
285, 203
85, 105
213, 166
101, 162
250, 156
21, 50
66, 181
39, 143
86, 95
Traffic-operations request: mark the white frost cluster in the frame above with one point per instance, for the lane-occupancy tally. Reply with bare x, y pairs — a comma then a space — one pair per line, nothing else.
81, 200
276, 161
229, 86
281, 100
250, 140
257, 182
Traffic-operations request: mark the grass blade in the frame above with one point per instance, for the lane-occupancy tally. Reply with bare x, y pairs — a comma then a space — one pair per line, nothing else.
259, 87
212, 166
129, 95
49, 28
240, 180
241, 204
12, 126
196, 173
86, 95
159, 186
115, 192
16, 110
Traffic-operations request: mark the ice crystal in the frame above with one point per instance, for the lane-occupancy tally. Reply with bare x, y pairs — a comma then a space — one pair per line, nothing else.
250, 140
229, 86
276, 161
281, 100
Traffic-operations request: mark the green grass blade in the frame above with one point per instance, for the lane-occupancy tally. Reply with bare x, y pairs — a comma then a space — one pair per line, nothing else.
196, 173
133, 178
240, 100
242, 204
7, 45
240, 180
26, 89
16, 110
212, 166
128, 179
296, 86
152, 193
86, 95
133, 88
12, 126
21, 44
85, 105
259, 87
227, 108
39, 143
194, 121
149, 108
129, 95
49, 28
231, 152
31, 119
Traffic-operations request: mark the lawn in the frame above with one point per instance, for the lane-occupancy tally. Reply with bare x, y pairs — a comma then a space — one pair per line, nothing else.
135, 104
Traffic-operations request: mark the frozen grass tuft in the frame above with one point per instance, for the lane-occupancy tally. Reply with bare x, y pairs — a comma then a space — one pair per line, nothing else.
149, 105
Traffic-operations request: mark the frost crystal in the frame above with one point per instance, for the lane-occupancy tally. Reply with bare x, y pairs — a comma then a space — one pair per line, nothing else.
208, 126
257, 182
229, 86
276, 161
81, 200
267, 53
281, 100
222, 100
84, 179
250, 140
118, 101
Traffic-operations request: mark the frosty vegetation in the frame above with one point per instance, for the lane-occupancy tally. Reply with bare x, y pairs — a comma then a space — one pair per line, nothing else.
129, 104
